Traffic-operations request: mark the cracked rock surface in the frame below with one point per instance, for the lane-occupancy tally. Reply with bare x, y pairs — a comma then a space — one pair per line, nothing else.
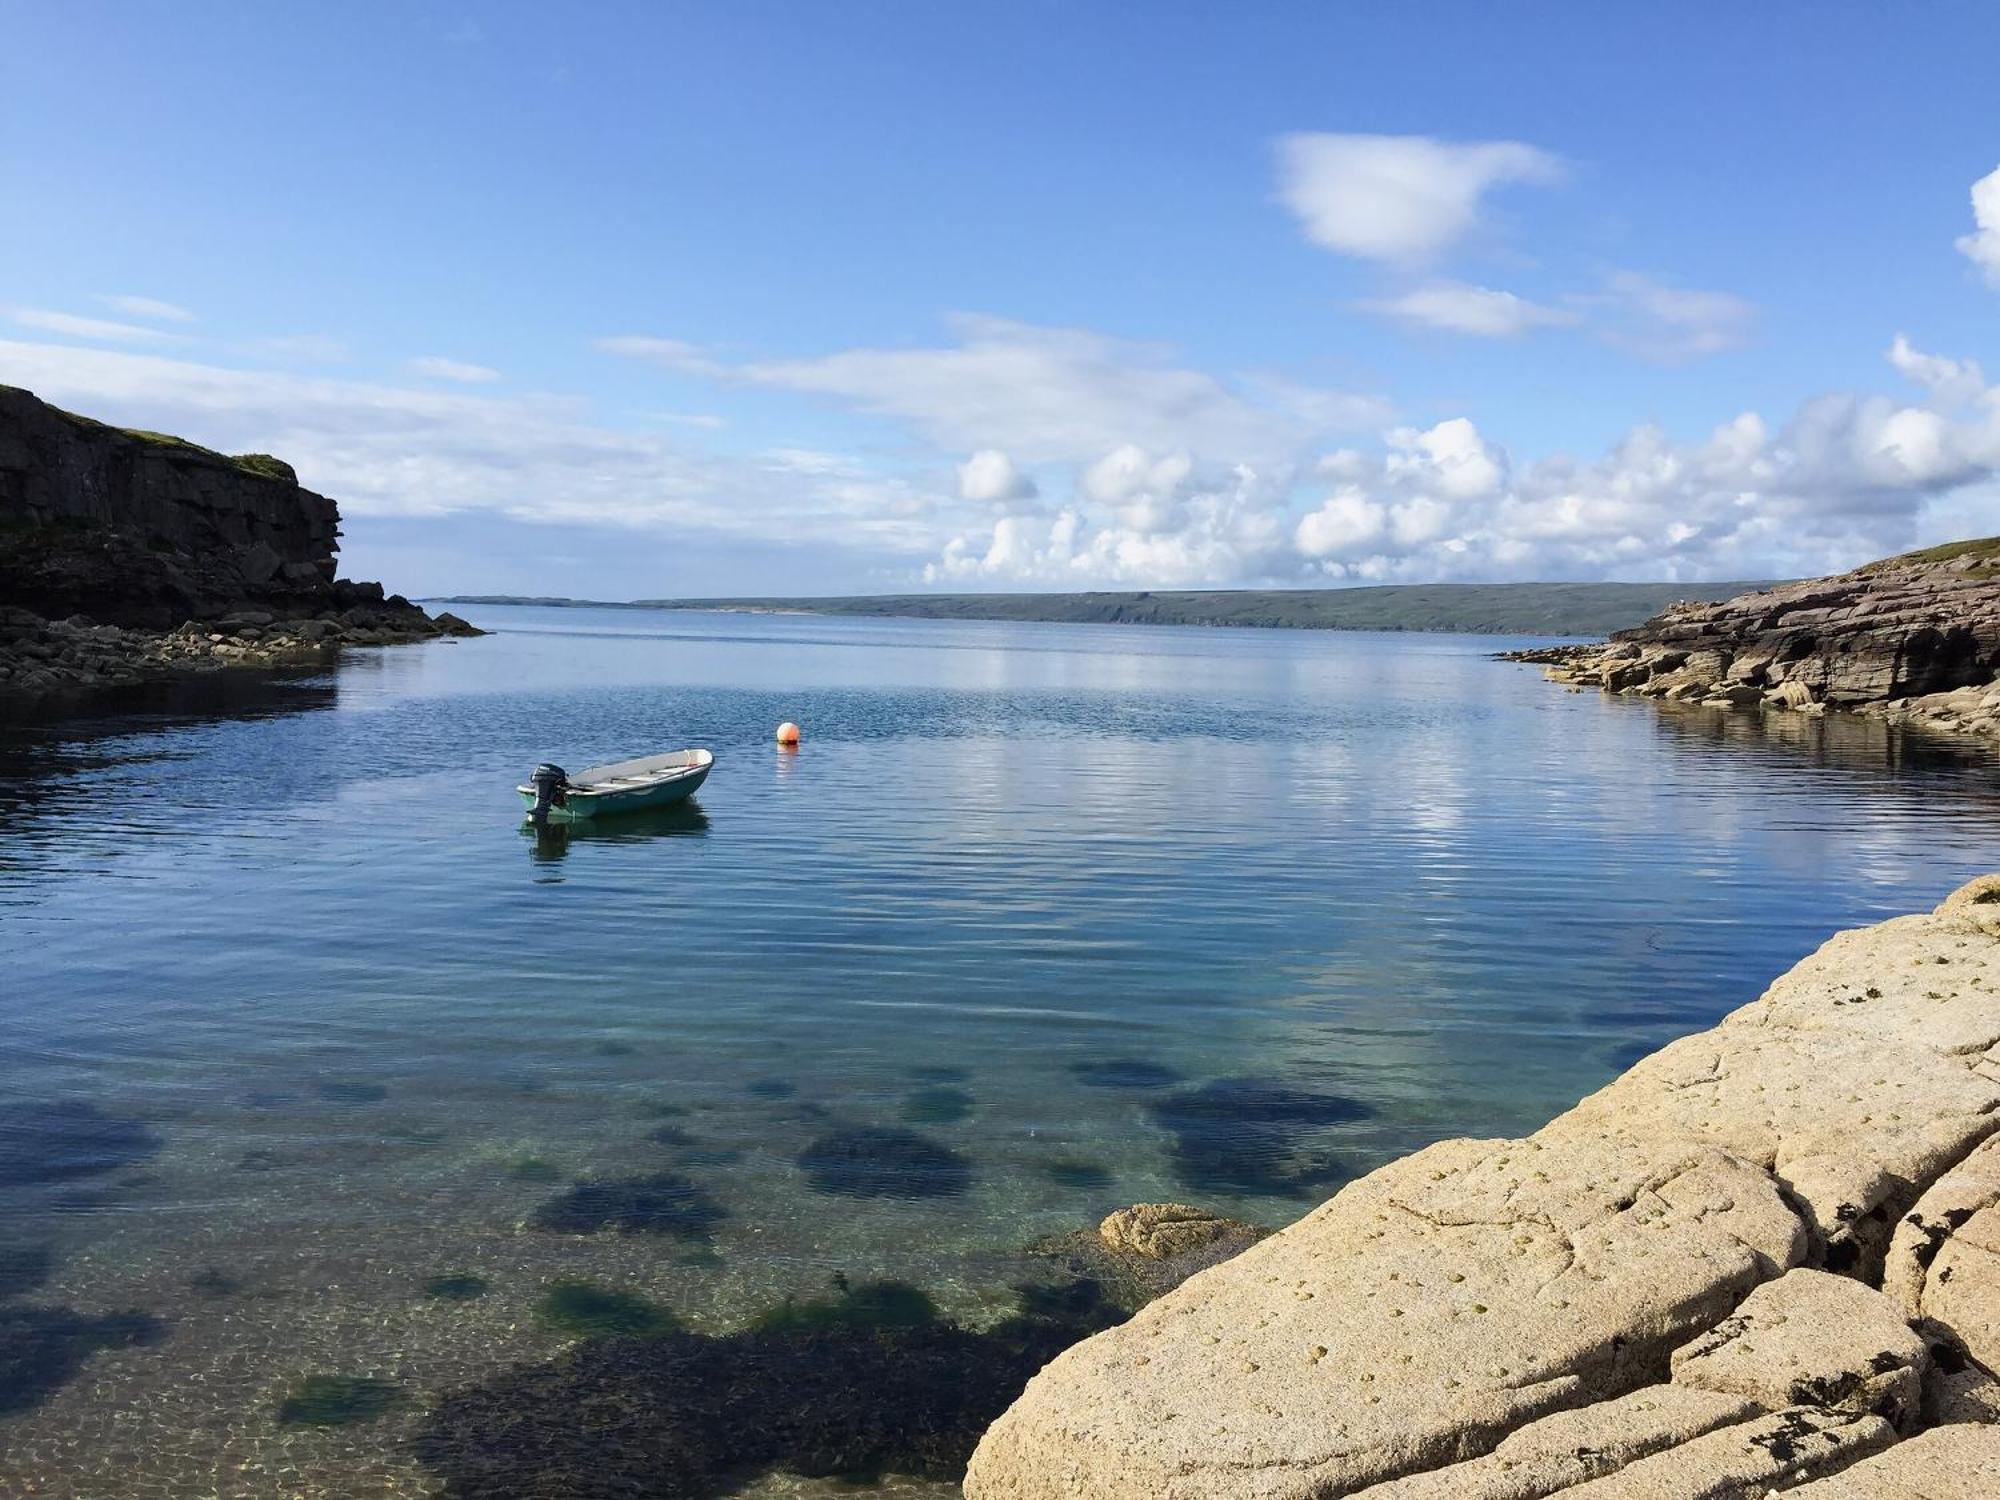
1675, 1289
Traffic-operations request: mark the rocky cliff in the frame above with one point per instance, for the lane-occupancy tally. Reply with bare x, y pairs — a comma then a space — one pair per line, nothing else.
110, 537
1766, 1260
1914, 638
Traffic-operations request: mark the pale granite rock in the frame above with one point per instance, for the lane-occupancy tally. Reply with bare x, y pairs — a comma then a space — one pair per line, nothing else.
1968, 1392
1931, 981
1851, 1120
1849, 1123
1960, 1462
1978, 902
1812, 1338
1570, 1447
1748, 1460
1962, 1290
1945, 1208
1415, 1319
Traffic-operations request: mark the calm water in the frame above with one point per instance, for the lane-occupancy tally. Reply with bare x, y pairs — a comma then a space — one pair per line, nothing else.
297, 1016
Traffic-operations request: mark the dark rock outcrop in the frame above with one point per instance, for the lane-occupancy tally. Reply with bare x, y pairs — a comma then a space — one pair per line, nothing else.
129, 555
1914, 638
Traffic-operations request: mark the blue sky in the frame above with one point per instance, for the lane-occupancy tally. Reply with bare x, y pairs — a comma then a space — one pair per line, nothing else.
699, 299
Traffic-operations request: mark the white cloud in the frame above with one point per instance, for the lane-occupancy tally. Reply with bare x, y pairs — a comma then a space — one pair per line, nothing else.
148, 307
1045, 394
1347, 524
1982, 247
1398, 198
1224, 527
437, 367
989, 477
671, 354
1651, 318
99, 330
1227, 482
1848, 477
1458, 307
390, 450
1954, 382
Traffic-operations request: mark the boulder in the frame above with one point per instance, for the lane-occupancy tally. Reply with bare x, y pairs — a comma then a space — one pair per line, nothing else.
1815, 1339
1163, 1231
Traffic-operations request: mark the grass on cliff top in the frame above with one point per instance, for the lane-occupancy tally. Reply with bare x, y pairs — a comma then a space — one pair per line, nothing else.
263, 465
1986, 551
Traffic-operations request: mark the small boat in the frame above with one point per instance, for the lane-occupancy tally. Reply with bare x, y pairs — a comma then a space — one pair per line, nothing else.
622, 786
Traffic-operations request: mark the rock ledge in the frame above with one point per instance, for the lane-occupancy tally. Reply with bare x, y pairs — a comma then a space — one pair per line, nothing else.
1914, 639
1764, 1260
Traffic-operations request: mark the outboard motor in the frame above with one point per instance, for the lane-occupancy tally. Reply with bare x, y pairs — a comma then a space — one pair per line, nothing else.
551, 783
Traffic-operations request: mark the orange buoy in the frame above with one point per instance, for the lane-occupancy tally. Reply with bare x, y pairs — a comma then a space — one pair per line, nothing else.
788, 733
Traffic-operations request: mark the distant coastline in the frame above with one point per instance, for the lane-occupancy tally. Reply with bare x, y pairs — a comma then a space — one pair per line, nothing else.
1545, 609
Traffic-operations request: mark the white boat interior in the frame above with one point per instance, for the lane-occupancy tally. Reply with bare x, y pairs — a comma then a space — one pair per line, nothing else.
620, 774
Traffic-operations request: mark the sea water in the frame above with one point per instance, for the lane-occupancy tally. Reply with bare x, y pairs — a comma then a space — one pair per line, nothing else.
307, 1042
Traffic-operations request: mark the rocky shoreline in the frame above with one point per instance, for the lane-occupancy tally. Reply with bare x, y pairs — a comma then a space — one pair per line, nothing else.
1913, 639
131, 557
52, 659
1765, 1260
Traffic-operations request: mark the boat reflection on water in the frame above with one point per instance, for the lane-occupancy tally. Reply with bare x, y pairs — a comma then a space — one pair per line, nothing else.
552, 840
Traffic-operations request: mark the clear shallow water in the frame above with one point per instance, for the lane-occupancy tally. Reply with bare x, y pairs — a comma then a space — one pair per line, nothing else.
1099, 915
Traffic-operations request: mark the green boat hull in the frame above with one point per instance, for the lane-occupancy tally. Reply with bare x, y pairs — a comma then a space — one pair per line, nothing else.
580, 804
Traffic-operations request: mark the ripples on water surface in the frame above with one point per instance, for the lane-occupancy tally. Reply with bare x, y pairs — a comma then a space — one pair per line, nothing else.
298, 1018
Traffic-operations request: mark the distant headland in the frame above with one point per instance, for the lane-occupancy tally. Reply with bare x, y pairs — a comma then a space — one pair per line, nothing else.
1552, 609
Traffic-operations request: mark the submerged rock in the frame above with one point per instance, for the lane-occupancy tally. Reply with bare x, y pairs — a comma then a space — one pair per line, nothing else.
873, 1304
1125, 1073
24, 1267
457, 1286
578, 1307
660, 1203
1163, 1231
1077, 1172
940, 1105
337, 1401
1143, 1252
680, 1416
67, 1140
43, 1348
884, 1163
1245, 1135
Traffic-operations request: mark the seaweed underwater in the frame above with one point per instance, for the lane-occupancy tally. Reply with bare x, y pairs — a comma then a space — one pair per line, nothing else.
866, 1383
